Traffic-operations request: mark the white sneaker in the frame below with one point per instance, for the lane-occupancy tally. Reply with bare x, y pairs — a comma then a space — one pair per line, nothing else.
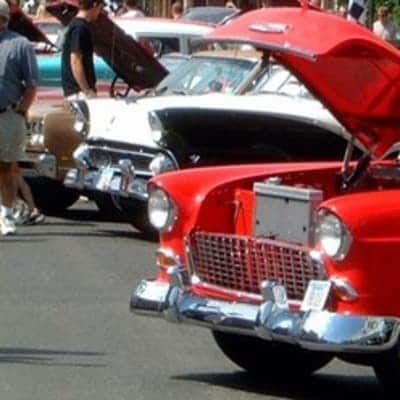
21, 213
7, 226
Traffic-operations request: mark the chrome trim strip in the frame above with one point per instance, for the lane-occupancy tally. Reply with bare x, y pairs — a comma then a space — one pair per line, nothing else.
113, 150
312, 330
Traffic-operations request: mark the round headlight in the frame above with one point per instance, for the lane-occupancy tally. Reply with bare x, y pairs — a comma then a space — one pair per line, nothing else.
80, 111
156, 126
332, 235
161, 163
161, 210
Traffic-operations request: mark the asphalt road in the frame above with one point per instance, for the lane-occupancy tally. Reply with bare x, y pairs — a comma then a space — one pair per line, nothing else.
66, 331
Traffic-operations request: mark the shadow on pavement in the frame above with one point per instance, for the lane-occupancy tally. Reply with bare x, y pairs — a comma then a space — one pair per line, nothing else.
24, 236
48, 357
86, 217
86, 214
316, 387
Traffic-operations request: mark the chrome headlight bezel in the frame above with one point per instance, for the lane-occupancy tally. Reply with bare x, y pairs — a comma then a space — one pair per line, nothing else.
80, 111
332, 235
162, 163
156, 127
161, 210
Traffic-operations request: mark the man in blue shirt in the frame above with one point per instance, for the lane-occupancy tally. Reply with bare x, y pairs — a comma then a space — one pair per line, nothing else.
18, 84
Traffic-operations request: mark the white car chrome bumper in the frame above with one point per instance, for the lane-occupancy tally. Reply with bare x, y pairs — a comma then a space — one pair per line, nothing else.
114, 180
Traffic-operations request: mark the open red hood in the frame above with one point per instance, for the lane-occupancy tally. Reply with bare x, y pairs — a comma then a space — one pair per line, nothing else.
136, 66
22, 24
353, 72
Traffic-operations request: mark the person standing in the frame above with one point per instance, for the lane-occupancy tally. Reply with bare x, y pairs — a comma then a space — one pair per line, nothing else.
77, 66
384, 27
132, 10
19, 78
176, 10
41, 11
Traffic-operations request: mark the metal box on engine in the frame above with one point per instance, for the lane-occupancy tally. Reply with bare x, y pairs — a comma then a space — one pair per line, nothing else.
285, 213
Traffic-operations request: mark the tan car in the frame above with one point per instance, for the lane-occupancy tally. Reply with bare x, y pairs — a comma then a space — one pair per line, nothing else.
49, 148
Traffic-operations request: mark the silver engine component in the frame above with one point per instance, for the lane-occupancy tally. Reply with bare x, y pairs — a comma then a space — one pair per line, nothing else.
286, 213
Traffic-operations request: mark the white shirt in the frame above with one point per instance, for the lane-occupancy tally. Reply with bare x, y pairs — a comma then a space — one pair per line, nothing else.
385, 31
132, 14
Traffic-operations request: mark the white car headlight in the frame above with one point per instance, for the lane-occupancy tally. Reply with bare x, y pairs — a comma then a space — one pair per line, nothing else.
156, 126
80, 112
162, 163
332, 234
162, 210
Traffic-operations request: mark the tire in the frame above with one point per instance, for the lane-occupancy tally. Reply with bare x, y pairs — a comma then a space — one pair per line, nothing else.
257, 356
387, 371
107, 206
135, 212
52, 196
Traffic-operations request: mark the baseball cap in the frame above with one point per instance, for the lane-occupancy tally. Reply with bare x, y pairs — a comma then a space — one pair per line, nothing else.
4, 10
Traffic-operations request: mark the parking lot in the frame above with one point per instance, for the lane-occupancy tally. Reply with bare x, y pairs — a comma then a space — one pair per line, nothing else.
67, 333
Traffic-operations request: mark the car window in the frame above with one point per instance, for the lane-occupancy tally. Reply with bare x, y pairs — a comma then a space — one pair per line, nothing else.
278, 79
207, 74
161, 44
214, 15
171, 62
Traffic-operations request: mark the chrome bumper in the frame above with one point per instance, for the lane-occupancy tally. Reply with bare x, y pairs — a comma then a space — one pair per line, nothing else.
312, 330
114, 180
39, 165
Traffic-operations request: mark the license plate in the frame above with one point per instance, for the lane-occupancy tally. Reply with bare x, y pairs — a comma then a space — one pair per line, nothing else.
316, 295
105, 179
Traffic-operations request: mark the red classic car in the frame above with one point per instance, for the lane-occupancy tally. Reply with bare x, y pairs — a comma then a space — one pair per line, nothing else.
293, 264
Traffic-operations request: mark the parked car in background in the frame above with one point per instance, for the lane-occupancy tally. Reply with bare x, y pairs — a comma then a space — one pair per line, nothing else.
51, 139
122, 126
292, 264
210, 14
164, 37
51, 27
174, 133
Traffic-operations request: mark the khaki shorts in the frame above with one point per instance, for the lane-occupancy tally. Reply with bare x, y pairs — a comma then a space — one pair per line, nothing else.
12, 136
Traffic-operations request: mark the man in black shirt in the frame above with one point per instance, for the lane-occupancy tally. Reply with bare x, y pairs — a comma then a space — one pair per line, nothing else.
77, 66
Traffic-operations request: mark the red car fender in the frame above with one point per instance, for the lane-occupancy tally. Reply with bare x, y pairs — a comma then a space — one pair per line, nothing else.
372, 264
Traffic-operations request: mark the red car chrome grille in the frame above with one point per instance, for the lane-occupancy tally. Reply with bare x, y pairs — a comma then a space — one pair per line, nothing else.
243, 262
